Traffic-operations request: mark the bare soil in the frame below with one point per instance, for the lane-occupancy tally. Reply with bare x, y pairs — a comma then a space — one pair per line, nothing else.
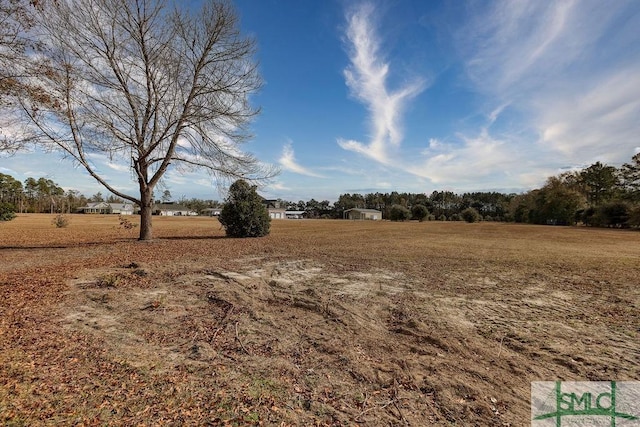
320, 323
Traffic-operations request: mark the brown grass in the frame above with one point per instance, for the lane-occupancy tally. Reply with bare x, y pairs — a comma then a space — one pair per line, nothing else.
320, 323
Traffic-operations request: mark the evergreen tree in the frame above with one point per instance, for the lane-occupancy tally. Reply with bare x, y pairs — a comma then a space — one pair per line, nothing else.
399, 213
419, 212
244, 214
7, 211
470, 215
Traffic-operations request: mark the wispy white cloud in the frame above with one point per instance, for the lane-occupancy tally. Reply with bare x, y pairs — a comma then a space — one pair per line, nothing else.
288, 162
475, 160
367, 78
572, 68
600, 123
567, 77
278, 186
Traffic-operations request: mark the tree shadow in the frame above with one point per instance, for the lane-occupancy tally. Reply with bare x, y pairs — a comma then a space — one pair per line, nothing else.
95, 244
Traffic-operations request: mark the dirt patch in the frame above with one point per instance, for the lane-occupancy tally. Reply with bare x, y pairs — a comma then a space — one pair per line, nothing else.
369, 347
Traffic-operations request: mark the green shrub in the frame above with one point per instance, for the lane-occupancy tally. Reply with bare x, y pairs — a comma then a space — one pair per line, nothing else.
442, 217
455, 217
244, 214
419, 212
613, 214
470, 215
399, 213
7, 212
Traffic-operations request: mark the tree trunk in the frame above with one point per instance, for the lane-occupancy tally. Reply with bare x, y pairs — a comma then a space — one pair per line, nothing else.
146, 209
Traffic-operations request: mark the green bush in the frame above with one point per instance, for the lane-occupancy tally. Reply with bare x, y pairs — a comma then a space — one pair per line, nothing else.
419, 212
442, 217
244, 214
7, 212
613, 214
399, 213
470, 215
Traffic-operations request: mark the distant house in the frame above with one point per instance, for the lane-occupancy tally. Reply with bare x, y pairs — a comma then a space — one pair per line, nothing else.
274, 209
277, 213
172, 209
121, 208
357, 213
108, 208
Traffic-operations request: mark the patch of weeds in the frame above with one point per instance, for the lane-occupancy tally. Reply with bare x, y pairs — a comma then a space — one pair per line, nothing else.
264, 390
252, 417
60, 221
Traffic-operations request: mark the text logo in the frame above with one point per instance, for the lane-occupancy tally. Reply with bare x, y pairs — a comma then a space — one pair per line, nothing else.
585, 404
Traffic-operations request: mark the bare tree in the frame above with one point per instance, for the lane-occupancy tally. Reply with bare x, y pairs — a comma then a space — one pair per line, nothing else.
14, 24
146, 84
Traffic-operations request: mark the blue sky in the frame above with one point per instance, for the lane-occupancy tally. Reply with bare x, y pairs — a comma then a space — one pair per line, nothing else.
366, 96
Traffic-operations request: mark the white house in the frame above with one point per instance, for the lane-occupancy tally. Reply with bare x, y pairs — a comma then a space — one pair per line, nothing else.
356, 213
172, 209
108, 208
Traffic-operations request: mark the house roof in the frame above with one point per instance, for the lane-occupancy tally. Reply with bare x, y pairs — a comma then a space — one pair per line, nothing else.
95, 205
125, 205
271, 203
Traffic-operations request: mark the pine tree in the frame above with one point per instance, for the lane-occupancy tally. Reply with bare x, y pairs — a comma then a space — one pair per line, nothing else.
244, 214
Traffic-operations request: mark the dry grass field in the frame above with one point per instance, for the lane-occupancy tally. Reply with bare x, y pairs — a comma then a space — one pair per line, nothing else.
320, 323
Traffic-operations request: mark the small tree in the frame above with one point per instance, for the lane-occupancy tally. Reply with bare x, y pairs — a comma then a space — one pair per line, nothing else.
399, 213
60, 221
419, 212
7, 212
470, 215
244, 214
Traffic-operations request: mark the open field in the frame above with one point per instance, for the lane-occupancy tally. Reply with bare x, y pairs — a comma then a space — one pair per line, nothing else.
320, 323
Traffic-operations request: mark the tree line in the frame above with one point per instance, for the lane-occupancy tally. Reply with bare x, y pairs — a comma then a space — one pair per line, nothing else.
599, 195
43, 195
